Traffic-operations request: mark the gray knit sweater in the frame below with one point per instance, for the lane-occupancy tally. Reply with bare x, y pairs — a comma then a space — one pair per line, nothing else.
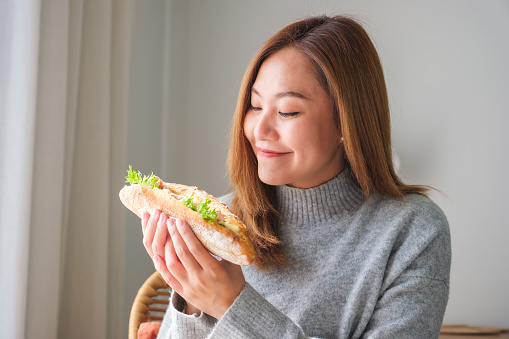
359, 268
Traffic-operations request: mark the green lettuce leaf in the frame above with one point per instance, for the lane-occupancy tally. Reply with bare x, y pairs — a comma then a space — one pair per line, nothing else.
203, 208
188, 201
134, 177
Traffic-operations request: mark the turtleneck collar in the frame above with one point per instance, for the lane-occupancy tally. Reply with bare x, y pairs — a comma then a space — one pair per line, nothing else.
317, 204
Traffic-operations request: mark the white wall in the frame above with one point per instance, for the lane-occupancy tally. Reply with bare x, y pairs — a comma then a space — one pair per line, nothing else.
448, 79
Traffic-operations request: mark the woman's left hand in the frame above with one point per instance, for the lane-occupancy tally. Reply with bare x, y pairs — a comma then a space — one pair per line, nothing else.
198, 277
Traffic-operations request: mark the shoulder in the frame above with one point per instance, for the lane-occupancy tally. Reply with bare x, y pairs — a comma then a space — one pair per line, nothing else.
427, 216
421, 243
416, 222
411, 211
424, 207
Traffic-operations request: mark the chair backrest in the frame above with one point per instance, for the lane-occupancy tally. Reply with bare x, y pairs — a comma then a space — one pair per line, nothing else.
150, 303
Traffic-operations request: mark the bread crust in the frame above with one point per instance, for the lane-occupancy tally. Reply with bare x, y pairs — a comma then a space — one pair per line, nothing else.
224, 242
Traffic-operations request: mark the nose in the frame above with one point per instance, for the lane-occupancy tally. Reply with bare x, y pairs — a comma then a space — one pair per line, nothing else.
265, 128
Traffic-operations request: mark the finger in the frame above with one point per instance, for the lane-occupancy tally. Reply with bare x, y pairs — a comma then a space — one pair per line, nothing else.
145, 215
150, 229
194, 246
173, 264
160, 265
160, 236
184, 255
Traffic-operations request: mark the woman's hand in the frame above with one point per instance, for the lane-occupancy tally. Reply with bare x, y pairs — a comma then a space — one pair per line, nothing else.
155, 231
153, 225
193, 273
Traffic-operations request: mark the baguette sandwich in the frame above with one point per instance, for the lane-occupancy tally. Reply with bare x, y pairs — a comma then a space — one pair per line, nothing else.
215, 226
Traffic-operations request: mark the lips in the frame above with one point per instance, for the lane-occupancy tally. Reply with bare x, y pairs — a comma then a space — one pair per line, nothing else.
267, 153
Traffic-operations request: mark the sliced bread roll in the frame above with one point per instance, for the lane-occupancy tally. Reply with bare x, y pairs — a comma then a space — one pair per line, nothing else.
222, 232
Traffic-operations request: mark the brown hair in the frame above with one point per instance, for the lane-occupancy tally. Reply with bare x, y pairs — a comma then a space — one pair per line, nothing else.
349, 69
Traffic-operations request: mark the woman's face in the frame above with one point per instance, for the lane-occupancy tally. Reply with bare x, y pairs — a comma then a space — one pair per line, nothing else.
290, 124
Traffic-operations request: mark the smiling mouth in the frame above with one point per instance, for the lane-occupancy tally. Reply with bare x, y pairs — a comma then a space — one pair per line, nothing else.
268, 153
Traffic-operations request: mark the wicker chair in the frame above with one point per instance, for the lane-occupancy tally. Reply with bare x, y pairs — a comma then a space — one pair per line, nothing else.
150, 303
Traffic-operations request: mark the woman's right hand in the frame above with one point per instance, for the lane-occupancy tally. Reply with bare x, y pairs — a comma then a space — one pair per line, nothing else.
155, 232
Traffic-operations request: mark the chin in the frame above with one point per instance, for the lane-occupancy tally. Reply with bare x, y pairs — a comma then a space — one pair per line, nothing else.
271, 180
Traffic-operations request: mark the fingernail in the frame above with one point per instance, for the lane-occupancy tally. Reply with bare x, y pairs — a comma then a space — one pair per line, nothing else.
180, 223
162, 216
141, 211
155, 259
170, 223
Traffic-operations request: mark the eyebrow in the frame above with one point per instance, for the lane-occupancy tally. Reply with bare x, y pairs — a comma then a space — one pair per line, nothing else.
283, 94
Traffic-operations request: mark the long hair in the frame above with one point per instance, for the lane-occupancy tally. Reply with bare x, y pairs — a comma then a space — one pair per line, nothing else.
348, 68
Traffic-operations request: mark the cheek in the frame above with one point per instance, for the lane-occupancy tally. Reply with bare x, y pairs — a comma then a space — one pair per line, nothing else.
315, 140
305, 136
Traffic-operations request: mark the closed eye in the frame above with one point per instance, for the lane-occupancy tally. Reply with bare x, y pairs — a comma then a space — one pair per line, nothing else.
287, 114
254, 108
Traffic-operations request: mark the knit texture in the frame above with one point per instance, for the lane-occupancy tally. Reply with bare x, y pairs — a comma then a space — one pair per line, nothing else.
359, 268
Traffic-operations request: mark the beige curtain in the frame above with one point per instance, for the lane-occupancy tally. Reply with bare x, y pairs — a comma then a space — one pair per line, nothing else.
63, 107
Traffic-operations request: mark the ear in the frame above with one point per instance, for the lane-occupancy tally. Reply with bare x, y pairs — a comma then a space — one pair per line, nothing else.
340, 136
340, 133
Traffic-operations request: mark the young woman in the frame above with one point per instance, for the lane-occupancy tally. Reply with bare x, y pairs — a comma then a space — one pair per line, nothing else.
344, 248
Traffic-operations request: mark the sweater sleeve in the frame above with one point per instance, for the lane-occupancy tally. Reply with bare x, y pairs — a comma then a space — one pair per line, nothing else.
179, 325
251, 316
237, 322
